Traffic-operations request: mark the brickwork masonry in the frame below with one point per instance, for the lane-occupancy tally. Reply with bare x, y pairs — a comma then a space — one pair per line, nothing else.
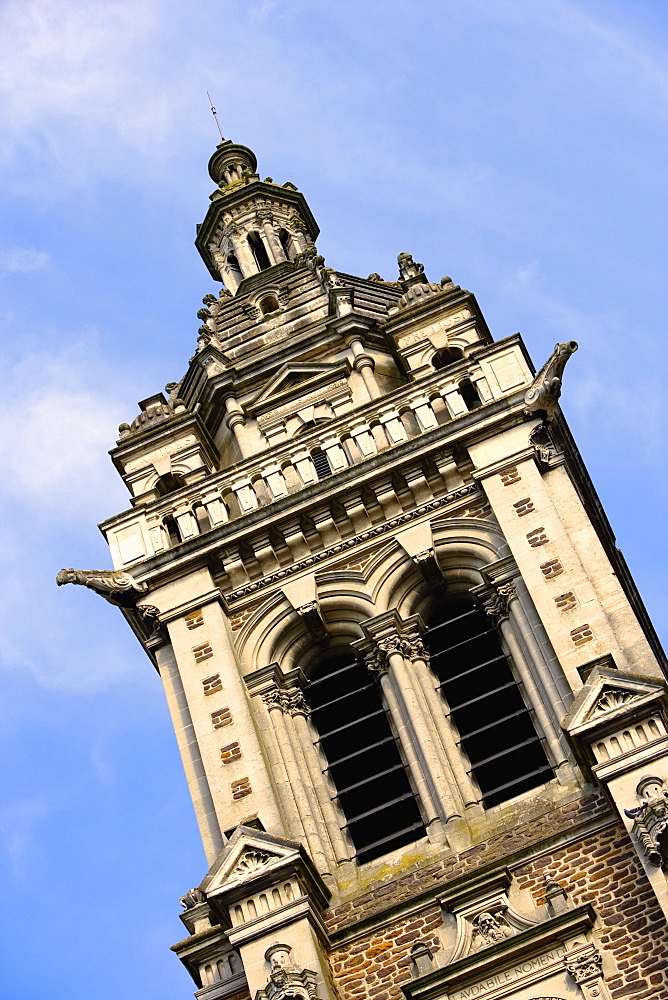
601, 868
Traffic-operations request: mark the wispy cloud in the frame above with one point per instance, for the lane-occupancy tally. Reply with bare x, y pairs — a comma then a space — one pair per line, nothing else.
24, 259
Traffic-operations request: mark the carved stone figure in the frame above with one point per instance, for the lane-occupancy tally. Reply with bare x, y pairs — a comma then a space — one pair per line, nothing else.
651, 820
489, 929
542, 396
114, 585
543, 445
409, 268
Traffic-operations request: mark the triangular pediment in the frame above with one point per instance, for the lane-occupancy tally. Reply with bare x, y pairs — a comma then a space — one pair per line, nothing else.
609, 696
248, 855
296, 378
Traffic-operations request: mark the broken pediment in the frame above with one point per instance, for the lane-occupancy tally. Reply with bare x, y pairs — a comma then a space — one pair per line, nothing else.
609, 697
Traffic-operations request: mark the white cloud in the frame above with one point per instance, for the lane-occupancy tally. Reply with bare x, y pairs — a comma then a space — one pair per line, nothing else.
24, 259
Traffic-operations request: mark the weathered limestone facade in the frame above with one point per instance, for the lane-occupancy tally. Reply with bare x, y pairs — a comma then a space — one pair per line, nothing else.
419, 703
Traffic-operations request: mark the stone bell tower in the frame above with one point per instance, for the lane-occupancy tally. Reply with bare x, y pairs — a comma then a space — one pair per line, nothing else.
419, 703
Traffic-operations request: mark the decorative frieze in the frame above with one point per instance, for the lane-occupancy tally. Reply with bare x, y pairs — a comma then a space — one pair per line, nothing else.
349, 543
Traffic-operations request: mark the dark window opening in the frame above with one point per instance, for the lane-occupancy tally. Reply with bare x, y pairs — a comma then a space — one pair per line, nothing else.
321, 463
168, 483
496, 731
447, 356
172, 530
259, 251
286, 243
470, 394
363, 758
268, 304
233, 263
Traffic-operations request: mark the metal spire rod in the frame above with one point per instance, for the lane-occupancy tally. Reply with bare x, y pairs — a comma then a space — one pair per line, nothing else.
215, 115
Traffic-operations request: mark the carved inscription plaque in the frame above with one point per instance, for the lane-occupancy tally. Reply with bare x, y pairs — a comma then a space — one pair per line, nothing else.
519, 974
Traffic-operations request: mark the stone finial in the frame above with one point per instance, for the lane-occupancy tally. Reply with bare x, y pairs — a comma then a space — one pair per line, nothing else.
115, 586
409, 268
543, 394
192, 898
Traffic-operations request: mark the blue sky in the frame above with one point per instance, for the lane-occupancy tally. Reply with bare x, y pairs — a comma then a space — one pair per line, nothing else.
518, 146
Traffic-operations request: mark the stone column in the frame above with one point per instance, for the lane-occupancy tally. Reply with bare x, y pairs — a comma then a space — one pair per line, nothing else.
365, 365
497, 607
279, 702
236, 421
386, 661
300, 713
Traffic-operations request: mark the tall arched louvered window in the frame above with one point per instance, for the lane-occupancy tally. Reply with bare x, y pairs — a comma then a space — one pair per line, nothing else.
259, 251
363, 758
496, 730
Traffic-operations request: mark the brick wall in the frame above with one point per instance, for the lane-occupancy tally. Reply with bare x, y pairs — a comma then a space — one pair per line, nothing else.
602, 869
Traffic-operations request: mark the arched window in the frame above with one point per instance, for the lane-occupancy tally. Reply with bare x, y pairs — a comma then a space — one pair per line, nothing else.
447, 356
268, 304
363, 758
496, 731
259, 251
470, 394
287, 244
168, 483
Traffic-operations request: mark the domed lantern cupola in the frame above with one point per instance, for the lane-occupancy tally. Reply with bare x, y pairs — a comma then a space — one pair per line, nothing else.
251, 225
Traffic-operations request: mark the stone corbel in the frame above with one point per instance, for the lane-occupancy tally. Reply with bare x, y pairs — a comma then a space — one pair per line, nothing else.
311, 615
429, 567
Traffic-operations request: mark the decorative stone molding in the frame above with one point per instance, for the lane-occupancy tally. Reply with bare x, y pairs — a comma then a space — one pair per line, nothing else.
250, 863
585, 966
542, 396
115, 586
349, 543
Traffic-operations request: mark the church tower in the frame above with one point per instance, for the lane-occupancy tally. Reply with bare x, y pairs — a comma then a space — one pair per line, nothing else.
420, 705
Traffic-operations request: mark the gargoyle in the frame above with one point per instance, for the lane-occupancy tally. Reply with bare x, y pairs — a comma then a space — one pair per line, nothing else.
542, 396
114, 585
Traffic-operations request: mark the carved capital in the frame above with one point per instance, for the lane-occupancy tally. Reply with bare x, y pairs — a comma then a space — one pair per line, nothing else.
584, 967
496, 606
296, 704
275, 698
